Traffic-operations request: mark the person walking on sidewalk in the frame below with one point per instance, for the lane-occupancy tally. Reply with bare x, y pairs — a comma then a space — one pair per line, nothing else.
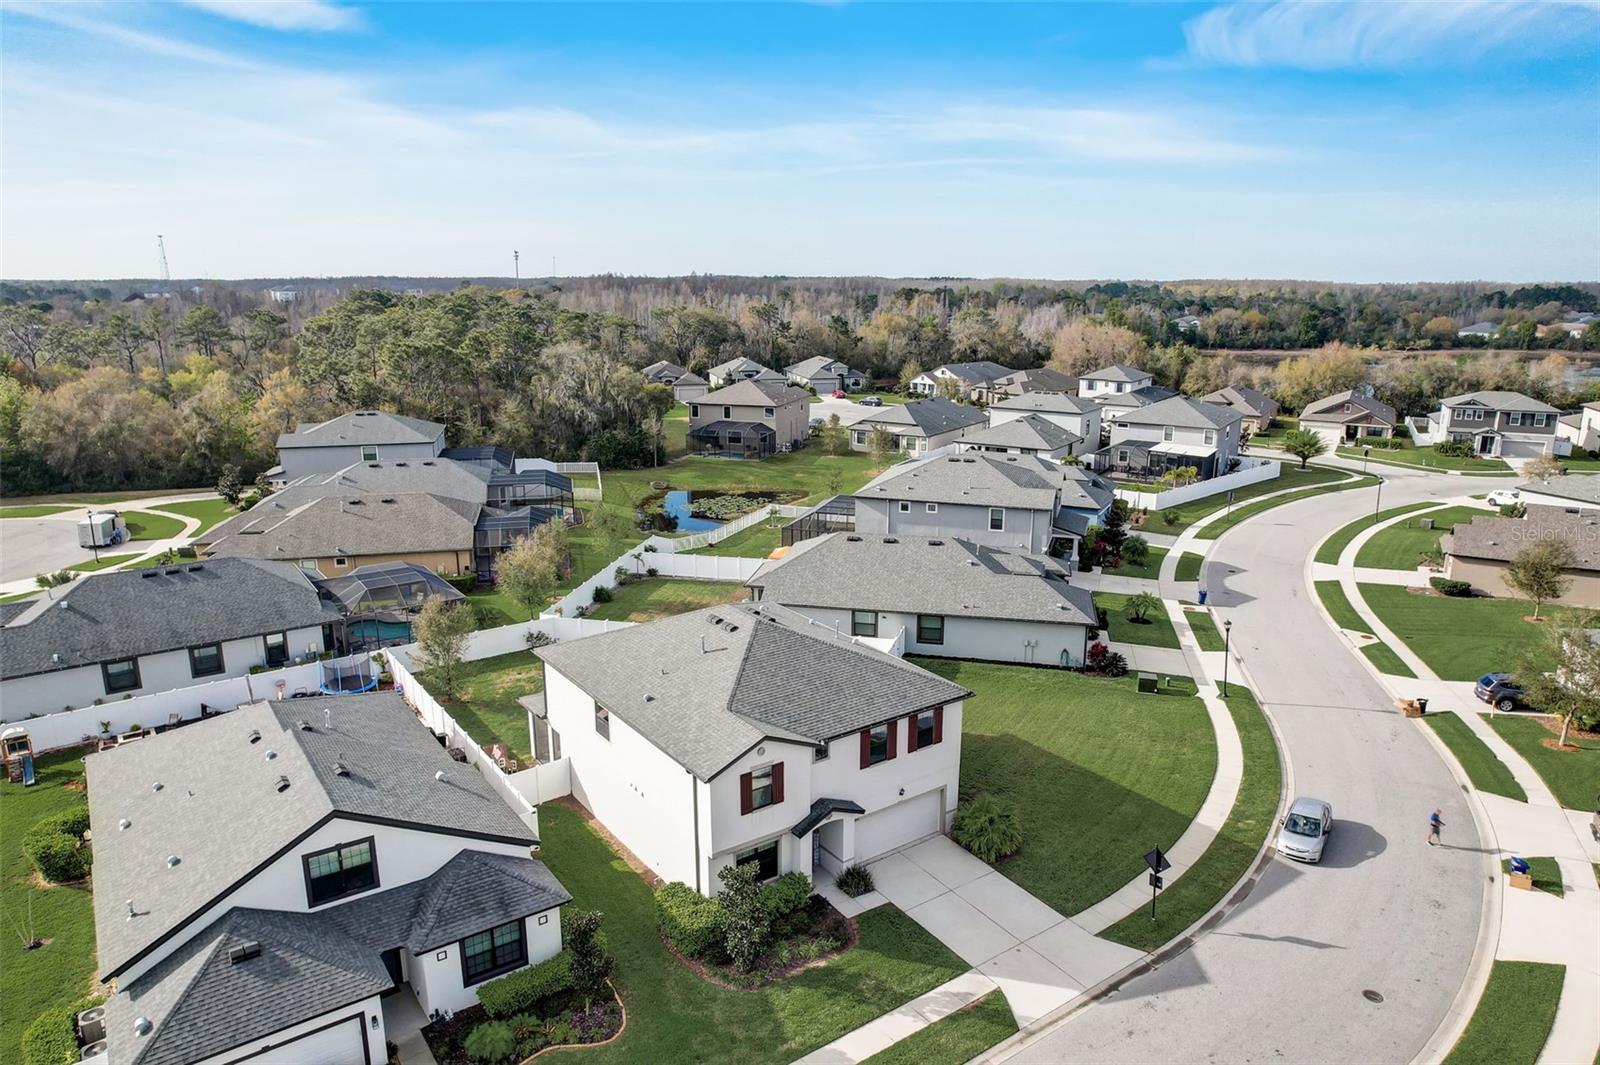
1435, 823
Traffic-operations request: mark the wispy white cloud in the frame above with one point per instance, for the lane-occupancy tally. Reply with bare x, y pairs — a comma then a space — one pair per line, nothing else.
68, 17
283, 14
1332, 34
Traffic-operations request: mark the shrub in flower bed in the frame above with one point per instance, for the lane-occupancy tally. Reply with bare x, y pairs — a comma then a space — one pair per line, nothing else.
523, 990
688, 920
854, 880
816, 930
561, 1021
55, 846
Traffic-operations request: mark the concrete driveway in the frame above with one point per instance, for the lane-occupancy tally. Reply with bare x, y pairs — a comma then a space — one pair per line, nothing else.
848, 410
44, 545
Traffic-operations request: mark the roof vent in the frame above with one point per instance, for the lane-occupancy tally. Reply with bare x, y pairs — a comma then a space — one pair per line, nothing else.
173, 861
373, 465
303, 725
356, 503
853, 539
386, 500
425, 462
124, 824
438, 774
174, 571
890, 540
271, 755
157, 786
255, 735
244, 952
142, 1026
340, 769
972, 562
145, 574
283, 784
131, 912
401, 464
649, 698
935, 543
197, 567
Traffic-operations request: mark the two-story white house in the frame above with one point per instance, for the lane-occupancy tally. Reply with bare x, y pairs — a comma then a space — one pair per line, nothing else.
1113, 380
1582, 427
747, 734
1174, 433
947, 598
1498, 425
110, 636
969, 377
1078, 416
271, 883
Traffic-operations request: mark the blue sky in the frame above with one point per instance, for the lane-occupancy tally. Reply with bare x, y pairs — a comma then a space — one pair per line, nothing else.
1336, 140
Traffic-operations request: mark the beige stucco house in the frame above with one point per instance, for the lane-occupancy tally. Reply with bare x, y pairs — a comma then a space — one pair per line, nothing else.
749, 419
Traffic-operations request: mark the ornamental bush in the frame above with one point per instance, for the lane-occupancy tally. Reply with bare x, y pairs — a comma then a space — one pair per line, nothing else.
490, 1042
785, 895
52, 1037
1455, 449
690, 922
988, 827
602, 594
54, 846
523, 990
1449, 587
745, 924
854, 880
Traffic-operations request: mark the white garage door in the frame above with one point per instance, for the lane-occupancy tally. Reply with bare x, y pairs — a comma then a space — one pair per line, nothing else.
340, 1044
1521, 449
898, 825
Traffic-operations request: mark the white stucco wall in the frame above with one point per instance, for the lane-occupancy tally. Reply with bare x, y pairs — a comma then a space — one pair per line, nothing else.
299, 461
334, 1038
1028, 530
435, 975
984, 639
1086, 425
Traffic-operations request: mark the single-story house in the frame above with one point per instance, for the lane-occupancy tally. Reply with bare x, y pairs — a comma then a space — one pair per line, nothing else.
951, 598
1347, 416
108, 636
750, 419
746, 733
686, 385
825, 376
1174, 433
1480, 551
1498, 424
1186, 323
359, 436
1478, 330
1258, 408
266, 879
1113, 380
1078, 416
969, 377
1028, 435
1572, 493
1024, 382
663, 372
919, 426
739, 369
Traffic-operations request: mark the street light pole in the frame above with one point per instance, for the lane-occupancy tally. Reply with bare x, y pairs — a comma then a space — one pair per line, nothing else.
1227, 640
1377, 504
1366, 453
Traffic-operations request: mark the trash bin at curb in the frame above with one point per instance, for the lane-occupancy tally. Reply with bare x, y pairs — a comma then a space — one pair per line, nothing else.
1202, 597
1422, 706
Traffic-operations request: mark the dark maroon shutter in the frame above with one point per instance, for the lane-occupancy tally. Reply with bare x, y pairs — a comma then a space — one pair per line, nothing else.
938, 724
777, 783
866, 747
744, 793
894, 732
911, 733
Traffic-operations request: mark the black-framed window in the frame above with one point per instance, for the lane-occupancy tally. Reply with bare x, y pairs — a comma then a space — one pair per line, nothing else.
694, 410
878, 744
761, 787
369, 453
206, 661
764, 857
120, 676
766, 412
997, 519
821, 753
930, 628
340, 870
927, 729
277, 648
602, 722
727, 412
863, 623
493, 952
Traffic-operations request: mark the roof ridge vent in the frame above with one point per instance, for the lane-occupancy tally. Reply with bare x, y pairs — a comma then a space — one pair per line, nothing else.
340, 769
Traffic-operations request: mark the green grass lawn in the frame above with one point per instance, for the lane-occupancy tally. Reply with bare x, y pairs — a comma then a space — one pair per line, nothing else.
143, 525
660, 597
104, 562
35, 512
62, 971
1403, 545
1240, 514
1414, 457
181, 557
487, 704
1384, 657
673, 1015
758, 541
1280, 425
955, 1039
209, 511
1155, 631
494, 608
1334, 546
1514, 1016
1099, 773
1461, 639
1573, 777
1233, 850
1204, 627
1338, 605
1486, 771
1545, 872
1150, 570
18, 596
1288, 478
1189, 566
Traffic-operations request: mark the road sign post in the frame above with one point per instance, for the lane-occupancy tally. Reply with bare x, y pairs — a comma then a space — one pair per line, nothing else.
1158, 864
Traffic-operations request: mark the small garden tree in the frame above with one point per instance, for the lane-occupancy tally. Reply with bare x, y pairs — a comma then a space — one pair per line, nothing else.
1543, 468
835, 437
1135, 551
491, 1041
228, 484
534, 566
880, 445
442, 630
1304, 445
1138, 607
746, 924
591, 964
1539, 571
988, 827
950, 388
1116, 528
1571, 691
51, 581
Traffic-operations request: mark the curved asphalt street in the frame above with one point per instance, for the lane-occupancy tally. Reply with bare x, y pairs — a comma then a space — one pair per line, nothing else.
1283, 977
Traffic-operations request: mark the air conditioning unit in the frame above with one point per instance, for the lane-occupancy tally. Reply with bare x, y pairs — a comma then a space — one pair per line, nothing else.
92, 1025
96, 1051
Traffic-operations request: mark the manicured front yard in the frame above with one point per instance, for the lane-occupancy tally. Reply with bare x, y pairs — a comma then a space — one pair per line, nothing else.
1403, 545
1235, 847
1189, 566
955, 1039
1338, 605
209, 511
1099, 773
1573, 777
1150, 570
1514, 1016
660, 597
1545, 872
1384, 657
1427, 458
1288, 478
143, 525
1461, 639
1484, 768
487, 704
62, 971
1204, 627
1334, 546
1240, 514
673, 1015
1155, 631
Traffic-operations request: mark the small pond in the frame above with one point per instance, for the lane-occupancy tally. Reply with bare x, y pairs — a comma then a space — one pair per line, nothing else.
676, 505
674, 509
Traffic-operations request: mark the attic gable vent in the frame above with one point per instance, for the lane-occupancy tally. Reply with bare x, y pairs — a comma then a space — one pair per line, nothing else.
244, 952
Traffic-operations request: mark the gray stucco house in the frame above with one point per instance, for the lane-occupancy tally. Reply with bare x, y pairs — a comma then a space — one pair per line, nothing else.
359, 436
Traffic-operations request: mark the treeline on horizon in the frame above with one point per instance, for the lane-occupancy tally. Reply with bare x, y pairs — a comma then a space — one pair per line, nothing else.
166, 386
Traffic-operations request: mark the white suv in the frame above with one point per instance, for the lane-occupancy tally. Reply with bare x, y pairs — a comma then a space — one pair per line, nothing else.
1504, 497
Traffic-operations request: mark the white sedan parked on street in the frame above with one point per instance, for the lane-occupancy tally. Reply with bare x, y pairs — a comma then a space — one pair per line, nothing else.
1305, 829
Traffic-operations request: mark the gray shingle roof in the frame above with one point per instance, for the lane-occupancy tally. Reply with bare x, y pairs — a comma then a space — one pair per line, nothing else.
706, 686
1046, 403
973, 478
755, 394
1185, 413
1139, 397
1581, 488
1502, 539
1117, 372
691, 378
406, 523
906, 575
109, 616
977, 372
663, 371
1040, 379
362, 427
220, 812
931, 416
446, 478
1244, 399
1331, 409
1027, 431
733, 365
1495, 400
819, 365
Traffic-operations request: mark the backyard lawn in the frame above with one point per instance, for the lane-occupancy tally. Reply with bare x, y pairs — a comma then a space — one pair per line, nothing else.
1231, 853
1460, 639
493, 607
62, 971
209, 511
1288, 478
487, 704
1573, 777
660, 597
1412, 457
1514, 1017
1334, 546
1484, 768
1099, 773
955, 1039
1403, 545
674, 1015
1151, 569
758, 541
1155, 631
143, 525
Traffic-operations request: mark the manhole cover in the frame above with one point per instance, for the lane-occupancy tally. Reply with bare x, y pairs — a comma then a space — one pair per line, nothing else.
1371, 995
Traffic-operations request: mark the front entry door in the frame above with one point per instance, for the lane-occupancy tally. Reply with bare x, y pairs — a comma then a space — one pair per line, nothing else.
1486, 444
391, 962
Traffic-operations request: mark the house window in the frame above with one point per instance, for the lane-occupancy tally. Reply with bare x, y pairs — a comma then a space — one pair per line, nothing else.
905, 506
1122, 457
764, 858
863, 623
930, 628
205, 661
340, 871
694, 410
766, 412
761, 788
310, 566
491, 953
926, 728
727, 412
120, 676
861, 438
997, 519
277, 648
877, 744
1514, 418
602, 722
821, 753
932, 508
1121, 387
340, 562
369, 453
1166, 432
1538, 419
1211, 436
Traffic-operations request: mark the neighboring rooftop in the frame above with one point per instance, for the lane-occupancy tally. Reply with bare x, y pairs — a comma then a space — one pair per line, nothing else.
932, 417
974, 478
1499, 400
664, 371
737, 365
975, 373
348, 525
1046, 403
922, 575
1117, 372
1042, 379
1139, 397
1246, 400
818, 364
1360, 406
105, 617
1029, 431
707, 686
1502, 539
363, 427
1580, 488
755, 393
1184, 413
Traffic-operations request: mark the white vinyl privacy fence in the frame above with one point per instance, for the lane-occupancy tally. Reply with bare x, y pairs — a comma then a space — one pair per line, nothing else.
1250, 471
